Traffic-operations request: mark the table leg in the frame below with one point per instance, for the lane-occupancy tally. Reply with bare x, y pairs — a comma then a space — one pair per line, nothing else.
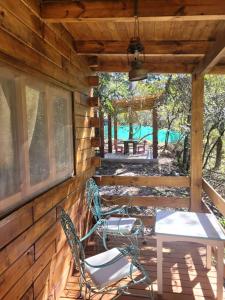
220, 256
134, 148
126, 148
208, 256
159, 266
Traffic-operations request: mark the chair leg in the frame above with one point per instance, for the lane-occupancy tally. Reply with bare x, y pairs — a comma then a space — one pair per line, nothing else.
81, 285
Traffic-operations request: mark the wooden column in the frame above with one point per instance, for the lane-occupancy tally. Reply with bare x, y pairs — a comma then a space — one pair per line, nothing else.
115, 132
101, 132
155, 132
109, 133
197, 110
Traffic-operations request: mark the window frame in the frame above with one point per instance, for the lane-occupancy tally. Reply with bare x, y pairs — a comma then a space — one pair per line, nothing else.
27, 190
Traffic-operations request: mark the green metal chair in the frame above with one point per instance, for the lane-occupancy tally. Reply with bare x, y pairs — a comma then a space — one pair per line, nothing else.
103, 273
107, 223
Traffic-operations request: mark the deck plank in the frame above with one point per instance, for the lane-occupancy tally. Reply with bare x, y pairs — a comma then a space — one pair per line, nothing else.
184, 274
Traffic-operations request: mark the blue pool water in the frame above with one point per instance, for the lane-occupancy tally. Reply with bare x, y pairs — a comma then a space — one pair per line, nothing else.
140, 131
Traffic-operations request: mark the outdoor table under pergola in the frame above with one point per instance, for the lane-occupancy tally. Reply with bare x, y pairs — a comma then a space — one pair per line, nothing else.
135, 104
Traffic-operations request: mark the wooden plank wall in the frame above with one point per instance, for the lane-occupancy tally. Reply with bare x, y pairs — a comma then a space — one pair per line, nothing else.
34, 257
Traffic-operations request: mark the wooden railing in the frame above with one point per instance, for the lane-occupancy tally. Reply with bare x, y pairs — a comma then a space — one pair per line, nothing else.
218, 201
214, 196
149, 181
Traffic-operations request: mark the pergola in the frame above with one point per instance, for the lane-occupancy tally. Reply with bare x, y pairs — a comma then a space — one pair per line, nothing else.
131, 105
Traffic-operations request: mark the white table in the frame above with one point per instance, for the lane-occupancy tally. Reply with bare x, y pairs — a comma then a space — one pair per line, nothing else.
193, 227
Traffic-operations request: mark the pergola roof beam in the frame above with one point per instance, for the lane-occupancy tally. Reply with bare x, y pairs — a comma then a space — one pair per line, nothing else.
213, 56
137, 103
92, 10
151, 47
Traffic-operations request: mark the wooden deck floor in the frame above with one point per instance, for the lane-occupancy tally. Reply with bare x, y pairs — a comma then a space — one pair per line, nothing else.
184, 274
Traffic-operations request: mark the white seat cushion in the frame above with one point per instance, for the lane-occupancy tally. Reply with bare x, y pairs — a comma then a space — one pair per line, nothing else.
105, 276
122, 225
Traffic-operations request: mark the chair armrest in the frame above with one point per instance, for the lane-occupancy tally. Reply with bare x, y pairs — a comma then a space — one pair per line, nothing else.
92, 230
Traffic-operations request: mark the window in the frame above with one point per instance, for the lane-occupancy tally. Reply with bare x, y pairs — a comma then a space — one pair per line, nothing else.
36, 134
36, 137
62, 126
9, 165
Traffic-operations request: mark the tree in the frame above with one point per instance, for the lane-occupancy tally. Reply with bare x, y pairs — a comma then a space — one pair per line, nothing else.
214, 122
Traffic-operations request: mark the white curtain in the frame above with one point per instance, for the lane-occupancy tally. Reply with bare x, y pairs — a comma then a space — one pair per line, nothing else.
6, 147
32, 100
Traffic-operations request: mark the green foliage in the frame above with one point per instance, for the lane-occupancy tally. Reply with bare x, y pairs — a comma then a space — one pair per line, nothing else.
174, 109
222, 221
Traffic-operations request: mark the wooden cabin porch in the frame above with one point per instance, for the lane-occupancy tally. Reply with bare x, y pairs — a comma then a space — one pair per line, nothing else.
184, 273
50, 52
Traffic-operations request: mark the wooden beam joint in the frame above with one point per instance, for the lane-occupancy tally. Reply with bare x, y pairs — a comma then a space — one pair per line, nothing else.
93, 81
94, 122
93, 102
95, 142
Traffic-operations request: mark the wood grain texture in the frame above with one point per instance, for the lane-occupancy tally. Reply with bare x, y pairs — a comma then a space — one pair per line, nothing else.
197, 112
153, 181
35, 41
94, 122
14, 273
151, 47
12, 225
34, 256
214, 196
93, 10
152, 201
213, 55
184, 274
93, 101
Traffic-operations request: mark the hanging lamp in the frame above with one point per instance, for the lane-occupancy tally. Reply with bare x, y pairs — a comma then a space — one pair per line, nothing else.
135, 52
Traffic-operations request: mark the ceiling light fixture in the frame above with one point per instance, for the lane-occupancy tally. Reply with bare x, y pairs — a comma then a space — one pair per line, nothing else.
135, 52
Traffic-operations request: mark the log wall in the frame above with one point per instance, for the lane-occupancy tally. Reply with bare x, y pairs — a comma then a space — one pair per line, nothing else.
34, 257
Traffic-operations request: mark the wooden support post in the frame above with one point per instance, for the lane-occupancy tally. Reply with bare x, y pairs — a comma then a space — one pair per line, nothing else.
197, 110
115, 132
102, 150
155, 132
109, 133
97, 131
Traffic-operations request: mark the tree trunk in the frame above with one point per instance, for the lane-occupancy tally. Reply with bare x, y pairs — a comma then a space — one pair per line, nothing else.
155, 132
109, 134
185, 153
219, 151
131, 131
115, 132
167, 139
102, 146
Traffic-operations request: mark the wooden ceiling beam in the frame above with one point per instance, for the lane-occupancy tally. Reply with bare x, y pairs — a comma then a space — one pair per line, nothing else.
214, 55
92, 61
151, 67
164, 68
136, 104
92, 10
151, 47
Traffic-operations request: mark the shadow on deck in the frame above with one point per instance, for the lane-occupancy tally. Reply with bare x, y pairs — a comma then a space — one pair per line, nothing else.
184, 274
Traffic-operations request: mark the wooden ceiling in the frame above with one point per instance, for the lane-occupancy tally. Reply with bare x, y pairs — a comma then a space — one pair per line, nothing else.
179, 36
